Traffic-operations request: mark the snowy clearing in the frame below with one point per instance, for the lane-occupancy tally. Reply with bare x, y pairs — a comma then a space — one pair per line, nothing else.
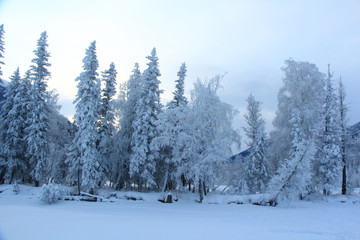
24, 216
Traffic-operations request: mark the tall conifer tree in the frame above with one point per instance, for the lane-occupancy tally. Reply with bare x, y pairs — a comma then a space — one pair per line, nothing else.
123, 148
169, 143
107, 118
257, 175
12, 126
328, 166
37, 137
343, 137
83, 158
142, 159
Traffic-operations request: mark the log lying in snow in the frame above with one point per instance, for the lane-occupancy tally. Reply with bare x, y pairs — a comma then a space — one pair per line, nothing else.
127, 197
236, 202
87, 197
90, 197
270, 202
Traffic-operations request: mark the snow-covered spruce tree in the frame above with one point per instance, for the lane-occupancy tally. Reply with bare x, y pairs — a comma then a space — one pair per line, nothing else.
303, 92
107, 93
211, 135
328, 164
294, 176
2, 48
170, 142
83, 156
125, 110
256, 173
37, 137
343, 136
107, 118
12, 127
147, 108
25, 109
179, 97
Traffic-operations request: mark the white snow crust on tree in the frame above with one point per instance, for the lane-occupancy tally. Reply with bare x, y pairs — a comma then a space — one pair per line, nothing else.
107, 119
125, 112
329, 164
84, 155
12, 130
257, 170
38, 121
303, 92
294, 176
171, 142
142, 159
211, 134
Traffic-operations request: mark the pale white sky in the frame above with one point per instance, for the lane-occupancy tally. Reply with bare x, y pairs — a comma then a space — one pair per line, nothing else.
247, 39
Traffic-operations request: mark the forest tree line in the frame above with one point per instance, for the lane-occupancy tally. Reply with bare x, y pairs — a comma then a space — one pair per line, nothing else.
129, 140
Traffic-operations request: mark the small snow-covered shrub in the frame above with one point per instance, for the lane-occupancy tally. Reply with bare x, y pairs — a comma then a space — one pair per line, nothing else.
51, 193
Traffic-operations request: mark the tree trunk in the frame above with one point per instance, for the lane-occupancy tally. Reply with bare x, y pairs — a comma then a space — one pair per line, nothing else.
326, 192
2, 175
343, 158
183, 180
78, 182
165, 180
343, 186
201, 191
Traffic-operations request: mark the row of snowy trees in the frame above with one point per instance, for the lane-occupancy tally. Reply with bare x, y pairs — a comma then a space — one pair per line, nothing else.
306, 150
132, 141
32, 144
155, 147
129, 142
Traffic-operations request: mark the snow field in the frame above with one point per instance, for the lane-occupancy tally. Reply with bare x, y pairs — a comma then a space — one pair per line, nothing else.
24, 216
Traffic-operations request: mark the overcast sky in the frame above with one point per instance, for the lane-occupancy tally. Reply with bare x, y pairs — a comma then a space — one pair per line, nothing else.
250, 40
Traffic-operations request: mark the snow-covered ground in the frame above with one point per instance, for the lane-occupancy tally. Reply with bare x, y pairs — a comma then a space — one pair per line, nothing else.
24, 216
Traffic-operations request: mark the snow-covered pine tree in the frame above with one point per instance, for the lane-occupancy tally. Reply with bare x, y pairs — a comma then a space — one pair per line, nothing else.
211, 135
2, 49
107, 118
179, 97
12, 127
257, 170
147, 108
343, 136
37, 137
328, 164
294, 176
129, 95
83, 153
108, 92
171, 139
26, 99
302, 91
